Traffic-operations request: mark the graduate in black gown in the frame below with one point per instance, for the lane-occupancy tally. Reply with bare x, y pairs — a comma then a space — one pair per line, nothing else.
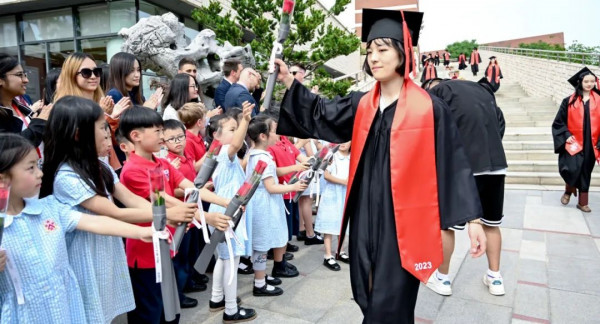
575, 131
474, 61
493, 73
409, 175
462, 61
429, 72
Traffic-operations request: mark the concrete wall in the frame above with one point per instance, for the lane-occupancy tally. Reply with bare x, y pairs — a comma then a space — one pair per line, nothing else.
556, 38
538, 77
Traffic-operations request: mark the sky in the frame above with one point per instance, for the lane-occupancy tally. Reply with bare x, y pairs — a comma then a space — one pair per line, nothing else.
447, 21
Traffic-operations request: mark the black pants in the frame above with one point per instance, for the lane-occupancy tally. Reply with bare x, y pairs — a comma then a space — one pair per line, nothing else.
148, 298
293, 217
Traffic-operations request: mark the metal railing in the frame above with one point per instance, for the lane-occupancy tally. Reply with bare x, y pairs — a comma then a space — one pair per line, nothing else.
592, 59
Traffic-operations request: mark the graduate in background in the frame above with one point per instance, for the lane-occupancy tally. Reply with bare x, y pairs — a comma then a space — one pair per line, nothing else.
429, 72
446, 58
493, 73
462, 61
437, 59
398, 199
474, 61
575, 131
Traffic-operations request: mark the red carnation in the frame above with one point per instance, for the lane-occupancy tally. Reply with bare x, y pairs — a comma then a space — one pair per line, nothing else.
215, 147
244, 189
260, 167
288, 6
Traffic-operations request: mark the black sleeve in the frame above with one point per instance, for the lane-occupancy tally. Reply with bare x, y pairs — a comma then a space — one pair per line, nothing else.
501, 121
500, 70
457, 193
307, 115
560, 130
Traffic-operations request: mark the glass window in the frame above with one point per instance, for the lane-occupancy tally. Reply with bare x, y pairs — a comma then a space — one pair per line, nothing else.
8, 32
34, 58
48, 25
58, 53
191, 28
104, 19
148, 9
102, 49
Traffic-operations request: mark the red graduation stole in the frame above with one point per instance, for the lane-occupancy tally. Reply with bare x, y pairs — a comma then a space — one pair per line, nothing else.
461, 58
489, 73
413, 175
447, 56
575, 123
431, 72
475, 58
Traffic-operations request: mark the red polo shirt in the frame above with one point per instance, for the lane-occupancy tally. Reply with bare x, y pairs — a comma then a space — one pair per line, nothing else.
134, 176
194, 146
186, 167
284, 153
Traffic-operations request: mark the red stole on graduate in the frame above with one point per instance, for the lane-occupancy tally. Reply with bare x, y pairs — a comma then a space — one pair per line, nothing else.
430, 72
475, 58
462, 58
489, 73
413, 175
447, 56
575, 123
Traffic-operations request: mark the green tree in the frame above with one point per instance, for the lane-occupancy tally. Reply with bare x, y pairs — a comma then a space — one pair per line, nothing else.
465, 46
542, 46
312, 41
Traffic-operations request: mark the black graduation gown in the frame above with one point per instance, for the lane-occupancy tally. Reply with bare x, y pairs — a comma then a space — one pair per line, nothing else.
462, 65
475, 66
479, 120
373, 247
576, 169
495, 86
424, 74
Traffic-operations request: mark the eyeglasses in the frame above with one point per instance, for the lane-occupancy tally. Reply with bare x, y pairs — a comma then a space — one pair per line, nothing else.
176, 139
22, 75
87, 73
194, 86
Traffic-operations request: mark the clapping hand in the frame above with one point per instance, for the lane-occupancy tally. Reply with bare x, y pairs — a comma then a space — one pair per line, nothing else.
155, 99
120, 107
247, 108
107, 104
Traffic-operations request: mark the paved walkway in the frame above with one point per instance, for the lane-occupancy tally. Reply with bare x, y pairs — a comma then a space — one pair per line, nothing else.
550, 263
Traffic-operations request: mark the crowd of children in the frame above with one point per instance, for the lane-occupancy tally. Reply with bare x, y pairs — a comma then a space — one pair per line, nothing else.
60, 261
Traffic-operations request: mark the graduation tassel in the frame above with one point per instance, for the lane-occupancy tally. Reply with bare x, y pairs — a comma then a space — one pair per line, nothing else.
407, 49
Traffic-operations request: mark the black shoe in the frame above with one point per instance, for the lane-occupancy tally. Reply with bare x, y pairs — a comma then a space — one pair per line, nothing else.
343, 257
292, 248
203, 278
242, 315
273, 281
331, 264
247, 271
188, 302
195, 287
301, 236
286, 272
291, 266
288, 256
263, 291
270, 254
215, 307
314, 240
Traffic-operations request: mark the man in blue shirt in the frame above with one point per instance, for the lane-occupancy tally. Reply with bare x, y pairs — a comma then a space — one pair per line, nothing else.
241, 91
231, 74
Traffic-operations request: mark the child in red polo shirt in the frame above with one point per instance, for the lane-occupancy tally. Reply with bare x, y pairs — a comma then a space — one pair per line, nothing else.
143, 127
192, 116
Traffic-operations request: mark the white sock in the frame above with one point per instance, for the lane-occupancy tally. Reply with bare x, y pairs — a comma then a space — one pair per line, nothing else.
441, 277
259, 283
494, 274
217, 282
230, 290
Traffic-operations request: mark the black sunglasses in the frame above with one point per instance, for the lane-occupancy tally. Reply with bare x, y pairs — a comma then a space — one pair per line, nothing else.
87, 73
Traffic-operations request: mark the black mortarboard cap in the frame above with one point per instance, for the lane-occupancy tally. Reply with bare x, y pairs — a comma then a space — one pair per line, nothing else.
492, 57
575, 79
377, 23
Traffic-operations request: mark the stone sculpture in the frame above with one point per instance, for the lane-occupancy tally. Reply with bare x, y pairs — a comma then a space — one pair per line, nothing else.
159, 43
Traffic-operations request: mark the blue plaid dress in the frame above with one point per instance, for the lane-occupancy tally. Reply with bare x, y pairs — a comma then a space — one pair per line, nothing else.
331, 207
99, 261
265, 213
36, 244
228, 178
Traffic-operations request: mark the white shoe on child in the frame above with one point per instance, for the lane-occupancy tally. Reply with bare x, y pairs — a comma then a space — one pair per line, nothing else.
442, 287
495, 284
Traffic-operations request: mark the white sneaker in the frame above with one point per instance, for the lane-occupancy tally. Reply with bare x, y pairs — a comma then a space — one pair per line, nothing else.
495, 285
442, 287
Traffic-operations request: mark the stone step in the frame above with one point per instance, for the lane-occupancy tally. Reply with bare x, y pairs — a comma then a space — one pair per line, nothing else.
530, 155
511, 108
528, 123
528, 134
538, 178
512, 117
533, 166
528, 145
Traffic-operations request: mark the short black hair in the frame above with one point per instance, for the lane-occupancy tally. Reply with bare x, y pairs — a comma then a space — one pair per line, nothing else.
138, 117
260, 124
173, 124
397, 45
300, 65
119, 137
186, 60
230, 65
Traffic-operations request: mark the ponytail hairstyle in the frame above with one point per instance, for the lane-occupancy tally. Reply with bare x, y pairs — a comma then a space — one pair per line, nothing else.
215, 125
13, 149
260, 124
70, 137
